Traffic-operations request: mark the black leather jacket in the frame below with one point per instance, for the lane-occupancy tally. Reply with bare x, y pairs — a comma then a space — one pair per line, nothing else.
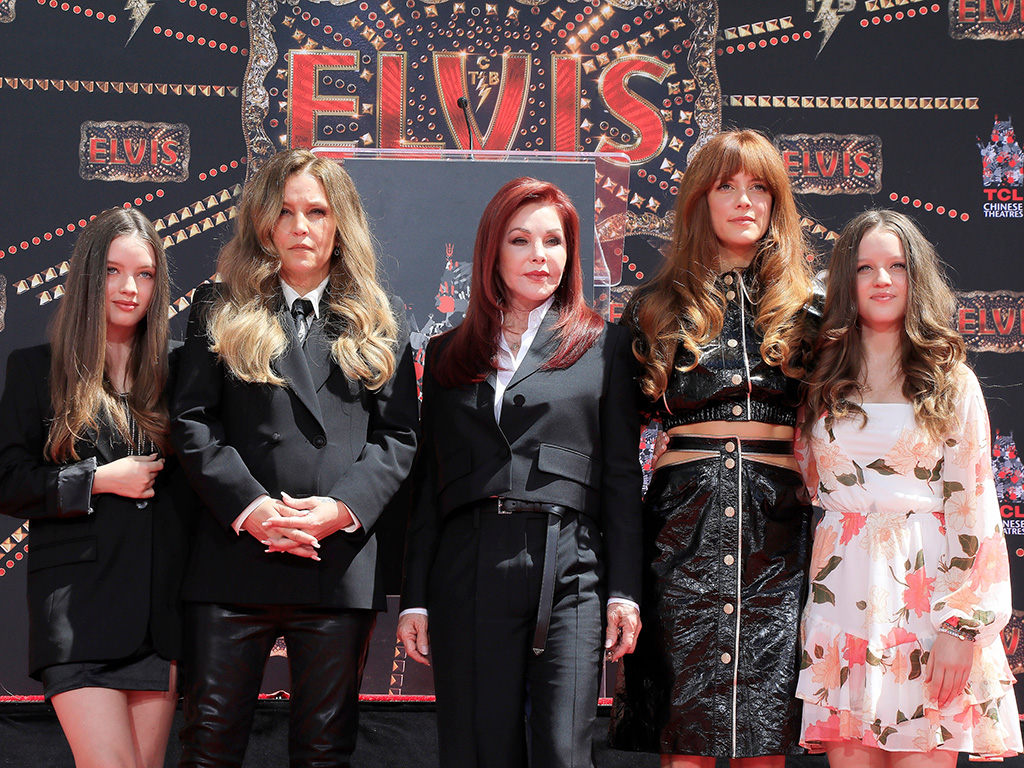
731, 382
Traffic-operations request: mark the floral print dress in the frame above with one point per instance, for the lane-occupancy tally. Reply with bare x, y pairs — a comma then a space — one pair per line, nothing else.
911, 536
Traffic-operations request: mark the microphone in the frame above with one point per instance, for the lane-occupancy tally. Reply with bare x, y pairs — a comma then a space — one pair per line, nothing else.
463, 103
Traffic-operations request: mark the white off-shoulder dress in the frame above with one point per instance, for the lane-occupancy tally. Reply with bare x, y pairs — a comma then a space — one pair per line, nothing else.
911, 537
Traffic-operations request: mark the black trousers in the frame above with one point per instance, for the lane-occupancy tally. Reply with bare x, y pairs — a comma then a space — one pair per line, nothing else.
226, 649
498, 702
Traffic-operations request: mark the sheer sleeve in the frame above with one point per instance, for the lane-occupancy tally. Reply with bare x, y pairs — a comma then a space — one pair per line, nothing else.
973, 579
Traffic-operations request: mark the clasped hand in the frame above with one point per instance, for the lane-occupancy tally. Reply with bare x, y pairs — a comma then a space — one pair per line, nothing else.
296, 526
132, 477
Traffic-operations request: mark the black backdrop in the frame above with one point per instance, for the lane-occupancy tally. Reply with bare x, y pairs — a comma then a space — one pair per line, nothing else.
874, 102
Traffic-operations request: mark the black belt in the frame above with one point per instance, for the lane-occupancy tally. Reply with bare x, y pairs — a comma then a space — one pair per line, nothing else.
716, 444
547, 584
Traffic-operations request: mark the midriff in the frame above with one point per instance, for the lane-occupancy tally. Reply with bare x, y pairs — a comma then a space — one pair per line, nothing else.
740, 429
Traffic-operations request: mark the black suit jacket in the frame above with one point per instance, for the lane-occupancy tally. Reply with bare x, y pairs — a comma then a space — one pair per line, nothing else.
567, 436
101, 571
323, 434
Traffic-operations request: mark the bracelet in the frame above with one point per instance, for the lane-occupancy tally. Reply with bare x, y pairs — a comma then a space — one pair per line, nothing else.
960, 633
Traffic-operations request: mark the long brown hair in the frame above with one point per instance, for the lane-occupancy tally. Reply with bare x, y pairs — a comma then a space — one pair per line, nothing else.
80, 391
470, 355
683, 305
931, 354
244, 328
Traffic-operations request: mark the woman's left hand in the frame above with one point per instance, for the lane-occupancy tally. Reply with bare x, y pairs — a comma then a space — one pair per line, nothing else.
623, 630
319, 517
949, 667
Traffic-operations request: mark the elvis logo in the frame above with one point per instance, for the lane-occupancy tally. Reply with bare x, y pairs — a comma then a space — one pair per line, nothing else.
986, 19
991, 321
134, 151
320, 93
830, 164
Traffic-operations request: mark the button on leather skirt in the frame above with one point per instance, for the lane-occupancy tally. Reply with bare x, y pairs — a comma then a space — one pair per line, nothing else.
726, 550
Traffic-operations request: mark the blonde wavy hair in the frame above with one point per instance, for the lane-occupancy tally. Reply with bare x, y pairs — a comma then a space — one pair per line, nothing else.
932, 353
80, 390
244, 326
683, 305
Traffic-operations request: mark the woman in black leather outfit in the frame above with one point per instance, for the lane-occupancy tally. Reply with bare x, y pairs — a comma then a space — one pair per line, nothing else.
720, 334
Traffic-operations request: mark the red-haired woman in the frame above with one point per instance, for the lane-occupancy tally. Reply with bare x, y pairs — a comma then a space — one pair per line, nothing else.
528, 517
720, 333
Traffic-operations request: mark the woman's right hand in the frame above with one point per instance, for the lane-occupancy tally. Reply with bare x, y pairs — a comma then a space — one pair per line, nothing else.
131, 477
412, 631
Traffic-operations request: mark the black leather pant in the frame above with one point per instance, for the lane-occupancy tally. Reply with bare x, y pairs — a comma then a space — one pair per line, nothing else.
226, 649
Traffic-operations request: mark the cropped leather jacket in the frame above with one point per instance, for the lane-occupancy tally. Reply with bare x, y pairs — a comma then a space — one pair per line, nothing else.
731, 382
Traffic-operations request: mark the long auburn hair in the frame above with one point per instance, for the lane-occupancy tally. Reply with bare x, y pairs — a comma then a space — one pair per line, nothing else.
470, 354
244, 325
683, 304
80, 391
932, 352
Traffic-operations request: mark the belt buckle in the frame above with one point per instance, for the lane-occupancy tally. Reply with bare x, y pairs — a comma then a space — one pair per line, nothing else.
501, 507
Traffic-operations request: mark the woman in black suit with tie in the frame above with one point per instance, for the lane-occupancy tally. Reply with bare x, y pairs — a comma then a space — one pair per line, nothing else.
82, 454
295, 418
528, 516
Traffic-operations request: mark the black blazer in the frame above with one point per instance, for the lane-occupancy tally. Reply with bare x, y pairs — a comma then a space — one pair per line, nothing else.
323, 434
567, 436
101, 571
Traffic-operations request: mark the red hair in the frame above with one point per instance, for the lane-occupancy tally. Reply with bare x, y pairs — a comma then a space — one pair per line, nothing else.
470, 352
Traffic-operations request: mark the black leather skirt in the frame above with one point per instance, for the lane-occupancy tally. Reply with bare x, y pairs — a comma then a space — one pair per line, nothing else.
727, 541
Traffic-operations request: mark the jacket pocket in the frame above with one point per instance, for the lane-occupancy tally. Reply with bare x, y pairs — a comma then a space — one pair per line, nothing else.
567, 463
62, 553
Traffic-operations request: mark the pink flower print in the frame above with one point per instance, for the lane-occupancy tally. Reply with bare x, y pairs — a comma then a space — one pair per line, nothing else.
852, 522
827, 669
912, 450
830, 459
856, 650
917, 596
884, 534
824, 545
991, 566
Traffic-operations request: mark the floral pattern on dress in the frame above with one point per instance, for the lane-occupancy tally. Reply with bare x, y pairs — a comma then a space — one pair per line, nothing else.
911, 536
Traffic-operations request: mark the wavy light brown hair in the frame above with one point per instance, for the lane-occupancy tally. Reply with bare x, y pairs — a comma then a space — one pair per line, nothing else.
932, 353
470, 355
244, 324
683, 305
80, 391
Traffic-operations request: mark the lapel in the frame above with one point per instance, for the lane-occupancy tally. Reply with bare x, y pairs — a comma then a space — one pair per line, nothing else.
102, 440
540, 350
318, 348
293, 366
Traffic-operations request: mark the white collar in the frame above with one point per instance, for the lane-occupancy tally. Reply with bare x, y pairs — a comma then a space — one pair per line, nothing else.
290, 295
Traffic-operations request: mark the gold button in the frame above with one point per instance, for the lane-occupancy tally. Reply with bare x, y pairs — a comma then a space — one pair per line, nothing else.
729, 463
728, 279
728, 608
729, 559
732, 343
730, 446
726, 658
730, 295
736, 378
737, 410
730, 511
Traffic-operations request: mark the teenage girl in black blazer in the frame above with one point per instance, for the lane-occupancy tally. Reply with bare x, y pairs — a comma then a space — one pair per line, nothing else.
82, 455
529, 498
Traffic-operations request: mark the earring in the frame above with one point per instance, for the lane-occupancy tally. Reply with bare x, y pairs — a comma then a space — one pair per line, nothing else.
337, 251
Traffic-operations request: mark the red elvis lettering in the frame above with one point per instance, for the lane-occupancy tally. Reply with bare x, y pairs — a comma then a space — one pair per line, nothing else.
113, 150
826, 164
455, 81
990, 11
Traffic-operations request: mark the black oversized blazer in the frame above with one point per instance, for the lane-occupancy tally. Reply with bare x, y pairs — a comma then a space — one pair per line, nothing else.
567, 436
101, 571
322, 434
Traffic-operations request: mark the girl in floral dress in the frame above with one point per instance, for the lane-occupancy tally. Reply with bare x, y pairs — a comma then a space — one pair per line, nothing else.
909, 577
